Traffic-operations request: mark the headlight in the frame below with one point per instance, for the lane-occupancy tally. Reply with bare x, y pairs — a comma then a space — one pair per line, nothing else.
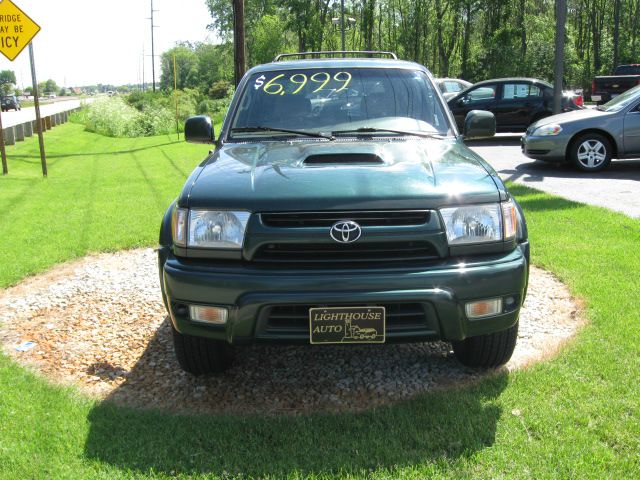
208, 228
480, 223
547, 130
217, 229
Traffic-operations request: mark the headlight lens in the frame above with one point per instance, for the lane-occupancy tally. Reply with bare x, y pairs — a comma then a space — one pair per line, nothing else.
217, 228
473, 224
550, 130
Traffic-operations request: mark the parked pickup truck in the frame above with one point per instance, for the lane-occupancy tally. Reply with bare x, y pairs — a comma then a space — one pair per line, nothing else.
624, 77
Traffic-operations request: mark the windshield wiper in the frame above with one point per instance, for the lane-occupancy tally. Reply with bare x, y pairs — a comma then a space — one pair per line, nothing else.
388, 130
259, 128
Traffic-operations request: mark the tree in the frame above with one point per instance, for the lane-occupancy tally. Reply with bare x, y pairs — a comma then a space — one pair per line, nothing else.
267, 40
7, 81
186, 66
48, 86
475, 39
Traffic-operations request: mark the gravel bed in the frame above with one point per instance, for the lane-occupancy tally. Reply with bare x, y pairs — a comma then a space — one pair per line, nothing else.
99, 323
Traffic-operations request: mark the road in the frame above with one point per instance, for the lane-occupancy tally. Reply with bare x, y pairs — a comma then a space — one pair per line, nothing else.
617, 188
27, 114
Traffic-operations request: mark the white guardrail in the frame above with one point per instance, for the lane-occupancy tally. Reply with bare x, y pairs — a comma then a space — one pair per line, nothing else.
19, 125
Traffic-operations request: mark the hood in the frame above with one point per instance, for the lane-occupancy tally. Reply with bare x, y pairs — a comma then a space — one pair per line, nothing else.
573, 116
294, 176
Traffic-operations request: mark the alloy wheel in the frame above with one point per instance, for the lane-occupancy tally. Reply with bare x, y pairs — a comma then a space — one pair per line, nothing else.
591, 154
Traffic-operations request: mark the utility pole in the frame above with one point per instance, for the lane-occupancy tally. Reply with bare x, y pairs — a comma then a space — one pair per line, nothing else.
153, 55
561, 21
342, 25
238, 39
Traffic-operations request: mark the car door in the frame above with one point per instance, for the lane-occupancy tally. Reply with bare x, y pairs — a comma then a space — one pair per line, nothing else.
632, 132
516, 105
481, 97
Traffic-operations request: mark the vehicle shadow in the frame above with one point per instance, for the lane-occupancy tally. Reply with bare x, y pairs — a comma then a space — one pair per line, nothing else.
445, 424
499, 140
36, 158
536, 171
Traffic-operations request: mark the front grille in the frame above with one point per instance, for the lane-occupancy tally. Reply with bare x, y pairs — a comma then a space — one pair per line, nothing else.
295, 318
382, 218
325, 254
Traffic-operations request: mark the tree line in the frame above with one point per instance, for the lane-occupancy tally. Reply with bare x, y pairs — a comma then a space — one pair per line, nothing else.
470, 39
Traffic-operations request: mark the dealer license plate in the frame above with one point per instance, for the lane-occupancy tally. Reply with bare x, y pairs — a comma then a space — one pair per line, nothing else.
347, 325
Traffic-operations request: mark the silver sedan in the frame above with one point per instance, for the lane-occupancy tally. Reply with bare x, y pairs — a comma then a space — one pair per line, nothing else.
588, 138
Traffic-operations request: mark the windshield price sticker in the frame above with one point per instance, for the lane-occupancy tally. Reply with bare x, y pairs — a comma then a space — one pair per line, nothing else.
281, 85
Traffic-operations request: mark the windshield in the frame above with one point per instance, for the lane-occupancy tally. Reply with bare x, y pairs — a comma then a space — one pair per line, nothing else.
339, 99
622, 101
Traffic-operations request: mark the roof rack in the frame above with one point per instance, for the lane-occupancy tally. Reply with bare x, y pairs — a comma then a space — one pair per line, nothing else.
337, 53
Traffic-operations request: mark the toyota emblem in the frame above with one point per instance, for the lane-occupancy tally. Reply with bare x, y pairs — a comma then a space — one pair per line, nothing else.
345, 231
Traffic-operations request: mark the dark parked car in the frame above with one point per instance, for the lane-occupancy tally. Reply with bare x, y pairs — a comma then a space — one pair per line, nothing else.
10, 102
515, 102
606, 87
370, 223
450, 87
590, 138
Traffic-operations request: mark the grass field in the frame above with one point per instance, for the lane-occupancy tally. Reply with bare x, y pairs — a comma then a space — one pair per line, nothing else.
576, 416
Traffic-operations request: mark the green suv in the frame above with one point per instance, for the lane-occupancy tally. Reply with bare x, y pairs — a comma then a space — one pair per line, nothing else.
341, 206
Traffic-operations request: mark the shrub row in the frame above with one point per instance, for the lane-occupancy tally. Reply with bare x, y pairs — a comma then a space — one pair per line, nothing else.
143, 114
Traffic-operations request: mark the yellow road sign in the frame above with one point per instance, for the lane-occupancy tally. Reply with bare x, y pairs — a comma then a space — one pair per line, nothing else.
16, 29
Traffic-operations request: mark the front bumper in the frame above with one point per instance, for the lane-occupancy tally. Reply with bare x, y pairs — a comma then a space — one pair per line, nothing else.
251, 294
550, 148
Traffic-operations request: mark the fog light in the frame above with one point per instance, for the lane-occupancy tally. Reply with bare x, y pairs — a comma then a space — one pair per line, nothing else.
483, 308
214, 315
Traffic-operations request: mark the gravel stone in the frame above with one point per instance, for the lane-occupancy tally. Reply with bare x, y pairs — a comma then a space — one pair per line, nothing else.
99, 324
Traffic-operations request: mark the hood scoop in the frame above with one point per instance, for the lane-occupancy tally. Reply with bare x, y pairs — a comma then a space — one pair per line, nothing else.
343, 159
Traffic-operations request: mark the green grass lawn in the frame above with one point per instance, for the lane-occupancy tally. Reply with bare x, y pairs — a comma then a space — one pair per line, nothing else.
579, 413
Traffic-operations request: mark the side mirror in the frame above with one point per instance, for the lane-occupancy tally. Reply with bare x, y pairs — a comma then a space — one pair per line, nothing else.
479, 124
199, 130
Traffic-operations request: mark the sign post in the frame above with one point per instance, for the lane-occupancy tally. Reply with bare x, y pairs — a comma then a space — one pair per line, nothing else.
3, 153
17, 30
36, 100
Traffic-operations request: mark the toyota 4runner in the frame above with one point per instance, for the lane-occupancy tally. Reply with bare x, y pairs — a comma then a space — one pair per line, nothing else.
341, 206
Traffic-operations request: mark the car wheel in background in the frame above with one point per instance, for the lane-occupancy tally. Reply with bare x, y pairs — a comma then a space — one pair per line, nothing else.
487, 351
591, 152
199, 356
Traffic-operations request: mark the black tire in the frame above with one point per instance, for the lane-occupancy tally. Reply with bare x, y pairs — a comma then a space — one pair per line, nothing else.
200, 356
487, 351
591, 152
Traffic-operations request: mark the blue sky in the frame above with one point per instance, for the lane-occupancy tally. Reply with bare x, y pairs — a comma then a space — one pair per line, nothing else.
84, 42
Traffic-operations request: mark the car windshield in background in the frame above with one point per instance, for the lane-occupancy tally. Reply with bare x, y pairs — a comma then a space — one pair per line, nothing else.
358, 100
621, 101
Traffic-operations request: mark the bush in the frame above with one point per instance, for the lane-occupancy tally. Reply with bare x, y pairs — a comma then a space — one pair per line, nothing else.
215, 109
220, 89
113, 117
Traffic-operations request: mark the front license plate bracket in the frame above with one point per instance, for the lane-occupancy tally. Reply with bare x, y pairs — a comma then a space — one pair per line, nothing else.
331, 325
